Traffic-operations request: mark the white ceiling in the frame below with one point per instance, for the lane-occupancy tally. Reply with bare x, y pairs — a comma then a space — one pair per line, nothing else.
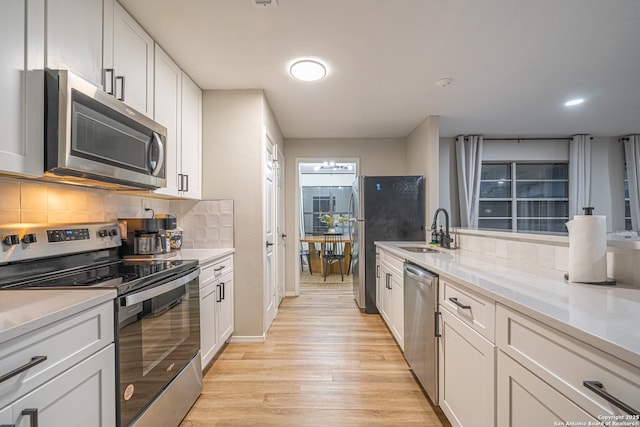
513, 62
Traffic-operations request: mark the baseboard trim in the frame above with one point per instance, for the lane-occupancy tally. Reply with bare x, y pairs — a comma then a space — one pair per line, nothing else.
247, 339
292, 294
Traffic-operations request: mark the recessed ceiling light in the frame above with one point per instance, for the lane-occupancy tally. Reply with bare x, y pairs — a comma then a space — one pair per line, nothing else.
308, 70
573, 102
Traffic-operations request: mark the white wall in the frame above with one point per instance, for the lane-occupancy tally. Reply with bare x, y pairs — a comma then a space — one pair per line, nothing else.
384, 156
233, 154
423, 158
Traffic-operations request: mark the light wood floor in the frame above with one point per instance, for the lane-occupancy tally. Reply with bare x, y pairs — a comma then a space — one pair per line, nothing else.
323, 364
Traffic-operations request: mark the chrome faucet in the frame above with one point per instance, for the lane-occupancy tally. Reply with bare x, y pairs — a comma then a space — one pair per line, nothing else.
445, 238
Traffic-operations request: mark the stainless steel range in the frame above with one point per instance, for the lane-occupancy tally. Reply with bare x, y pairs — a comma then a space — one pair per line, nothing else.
157, 310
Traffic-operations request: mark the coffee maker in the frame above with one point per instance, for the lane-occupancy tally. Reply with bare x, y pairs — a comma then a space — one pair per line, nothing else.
144, 238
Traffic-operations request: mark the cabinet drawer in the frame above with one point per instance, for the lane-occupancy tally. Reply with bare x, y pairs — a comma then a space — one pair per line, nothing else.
566, 363
216, 269
474, 309
64, 343
395, 264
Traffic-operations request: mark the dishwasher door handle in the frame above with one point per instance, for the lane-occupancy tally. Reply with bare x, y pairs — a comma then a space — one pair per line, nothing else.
419, 274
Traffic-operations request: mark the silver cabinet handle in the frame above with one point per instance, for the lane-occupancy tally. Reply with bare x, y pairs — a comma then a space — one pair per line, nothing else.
598, 388
35, 360
459, 304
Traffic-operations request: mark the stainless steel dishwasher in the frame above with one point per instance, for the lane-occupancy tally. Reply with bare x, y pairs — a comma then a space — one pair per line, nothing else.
420, 326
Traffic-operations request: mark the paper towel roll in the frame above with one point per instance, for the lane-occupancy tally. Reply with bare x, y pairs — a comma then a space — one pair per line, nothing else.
587, 248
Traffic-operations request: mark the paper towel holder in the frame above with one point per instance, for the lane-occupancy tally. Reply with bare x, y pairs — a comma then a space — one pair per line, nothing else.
608, 282
588, 210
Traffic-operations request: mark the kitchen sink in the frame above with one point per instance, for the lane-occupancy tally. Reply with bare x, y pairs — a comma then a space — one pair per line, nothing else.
419, 249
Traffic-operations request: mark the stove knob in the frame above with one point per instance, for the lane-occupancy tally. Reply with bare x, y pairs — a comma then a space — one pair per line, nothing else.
11, 239
102, 233
113, 232
29, 238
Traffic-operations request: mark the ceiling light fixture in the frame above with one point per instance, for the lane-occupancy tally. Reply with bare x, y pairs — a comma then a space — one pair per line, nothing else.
573, 102
308, 70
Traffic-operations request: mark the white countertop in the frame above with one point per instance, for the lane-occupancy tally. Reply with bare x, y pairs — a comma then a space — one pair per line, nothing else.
606, 317
25, 310
204, 255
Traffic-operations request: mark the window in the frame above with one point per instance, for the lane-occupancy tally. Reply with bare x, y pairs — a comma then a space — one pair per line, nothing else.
530, 197
627, 205
324, 199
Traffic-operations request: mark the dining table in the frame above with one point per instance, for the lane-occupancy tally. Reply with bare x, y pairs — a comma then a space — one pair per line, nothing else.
316, 253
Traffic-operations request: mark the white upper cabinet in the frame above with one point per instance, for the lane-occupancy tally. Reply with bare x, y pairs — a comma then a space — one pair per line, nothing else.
74, 37
132, 62
21, 87
191, 179
178, 107
167, 112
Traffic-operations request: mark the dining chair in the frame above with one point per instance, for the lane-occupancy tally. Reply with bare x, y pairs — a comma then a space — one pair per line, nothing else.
305, 253
333, 247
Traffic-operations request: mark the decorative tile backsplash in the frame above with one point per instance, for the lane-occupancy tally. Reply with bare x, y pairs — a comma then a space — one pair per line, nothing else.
205, 224
549, 258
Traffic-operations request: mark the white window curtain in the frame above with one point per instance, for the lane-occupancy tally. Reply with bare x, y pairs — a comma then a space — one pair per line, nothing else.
469, 161
579, 174
632, 158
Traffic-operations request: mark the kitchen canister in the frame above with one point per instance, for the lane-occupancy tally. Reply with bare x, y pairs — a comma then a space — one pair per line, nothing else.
588, 248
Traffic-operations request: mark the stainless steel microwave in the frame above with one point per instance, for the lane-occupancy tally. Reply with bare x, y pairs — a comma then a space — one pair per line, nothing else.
92, 138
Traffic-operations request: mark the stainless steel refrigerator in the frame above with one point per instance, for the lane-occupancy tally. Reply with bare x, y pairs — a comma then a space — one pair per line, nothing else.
383, 208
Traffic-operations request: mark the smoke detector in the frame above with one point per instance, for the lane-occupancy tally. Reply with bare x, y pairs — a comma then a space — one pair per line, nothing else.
265, 2
444, 82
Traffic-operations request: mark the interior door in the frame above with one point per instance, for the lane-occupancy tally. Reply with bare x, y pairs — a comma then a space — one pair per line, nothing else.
281, 240
269, 235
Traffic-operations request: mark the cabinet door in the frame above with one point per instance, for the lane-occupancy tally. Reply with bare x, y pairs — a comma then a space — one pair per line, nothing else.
225, 314
397, 309
133, 62
191, 139
167, 108
82, 396
379, 281
208, 325
21, 87
524, 400
386, 294
6, 416
466, 374
74, 37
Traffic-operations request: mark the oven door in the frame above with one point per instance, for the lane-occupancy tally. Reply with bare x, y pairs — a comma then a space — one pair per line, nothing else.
159, 334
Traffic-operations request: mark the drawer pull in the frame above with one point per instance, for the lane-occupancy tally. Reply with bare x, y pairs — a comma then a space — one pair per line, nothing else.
219, 268
32, 413
459, 304
598, 388
36, 360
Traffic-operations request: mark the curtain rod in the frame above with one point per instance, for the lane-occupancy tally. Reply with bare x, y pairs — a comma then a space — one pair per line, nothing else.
527, 139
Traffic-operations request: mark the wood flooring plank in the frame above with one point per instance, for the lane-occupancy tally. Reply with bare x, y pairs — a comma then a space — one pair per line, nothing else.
324, 363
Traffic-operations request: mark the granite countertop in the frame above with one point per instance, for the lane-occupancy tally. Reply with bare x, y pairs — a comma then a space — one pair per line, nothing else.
25, 310
204, 255
606, 317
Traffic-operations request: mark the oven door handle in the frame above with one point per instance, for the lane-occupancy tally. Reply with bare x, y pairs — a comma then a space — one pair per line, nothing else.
137, 297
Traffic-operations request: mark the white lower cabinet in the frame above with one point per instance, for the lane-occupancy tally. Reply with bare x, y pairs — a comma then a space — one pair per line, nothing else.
71, 380
216, 307
525, 400
390, 294
83, 396
467, 372
538, 357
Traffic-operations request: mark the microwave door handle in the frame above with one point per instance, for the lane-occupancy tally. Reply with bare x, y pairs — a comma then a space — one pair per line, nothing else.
158, 143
